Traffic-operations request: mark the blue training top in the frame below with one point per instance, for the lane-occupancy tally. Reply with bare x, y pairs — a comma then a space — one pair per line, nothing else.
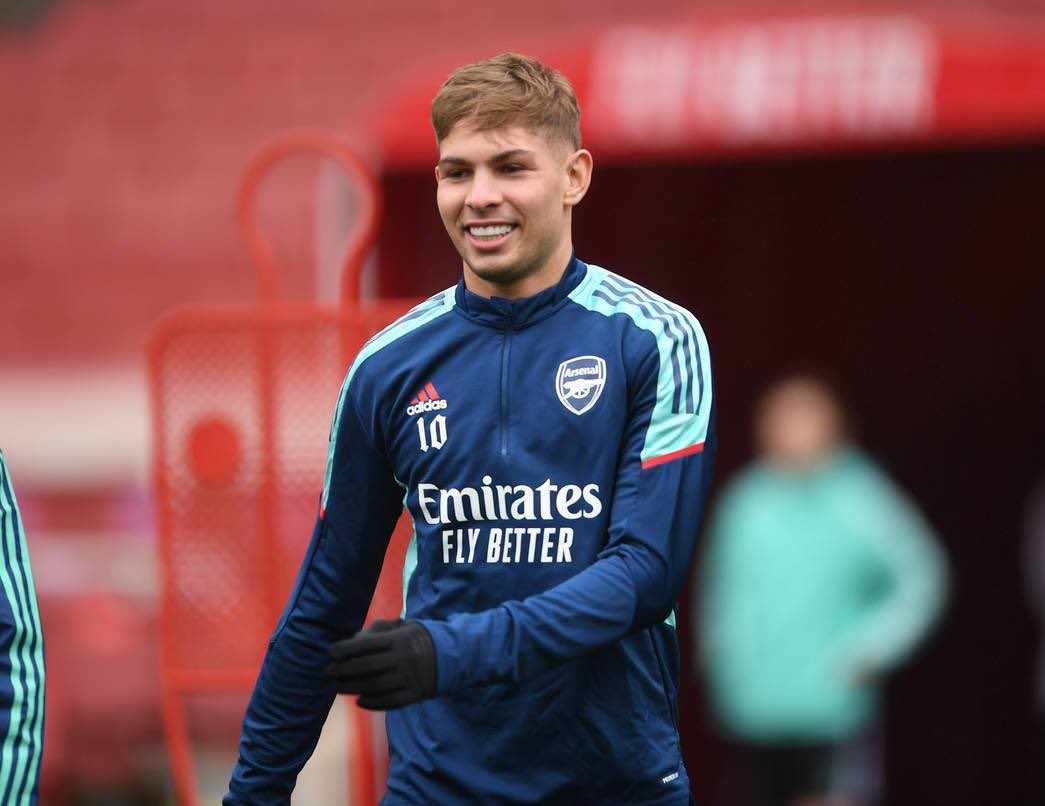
554, 453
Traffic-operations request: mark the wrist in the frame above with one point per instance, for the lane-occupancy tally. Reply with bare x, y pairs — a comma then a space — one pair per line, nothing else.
445, 647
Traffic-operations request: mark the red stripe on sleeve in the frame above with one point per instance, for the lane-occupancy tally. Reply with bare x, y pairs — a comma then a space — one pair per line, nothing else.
668, 457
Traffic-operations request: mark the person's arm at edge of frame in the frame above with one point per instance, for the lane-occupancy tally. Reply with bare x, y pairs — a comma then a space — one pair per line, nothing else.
330, 599
637, 578
25, 734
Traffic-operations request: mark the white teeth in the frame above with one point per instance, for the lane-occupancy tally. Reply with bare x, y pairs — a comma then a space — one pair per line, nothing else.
490, 232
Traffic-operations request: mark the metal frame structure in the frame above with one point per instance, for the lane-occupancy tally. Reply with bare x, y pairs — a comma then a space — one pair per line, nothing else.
219, 471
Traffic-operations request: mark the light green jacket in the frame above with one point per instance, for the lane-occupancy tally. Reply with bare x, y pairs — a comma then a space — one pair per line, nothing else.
811, 583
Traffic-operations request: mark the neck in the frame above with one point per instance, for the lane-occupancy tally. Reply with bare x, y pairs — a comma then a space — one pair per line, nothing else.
547, 275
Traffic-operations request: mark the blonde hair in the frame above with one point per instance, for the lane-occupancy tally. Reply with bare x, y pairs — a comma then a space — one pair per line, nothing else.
508, 89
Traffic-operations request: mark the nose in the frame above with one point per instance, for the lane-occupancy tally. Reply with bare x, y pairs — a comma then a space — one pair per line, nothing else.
484, 191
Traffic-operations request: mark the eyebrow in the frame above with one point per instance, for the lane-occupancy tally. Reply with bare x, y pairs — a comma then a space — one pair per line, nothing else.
502, 156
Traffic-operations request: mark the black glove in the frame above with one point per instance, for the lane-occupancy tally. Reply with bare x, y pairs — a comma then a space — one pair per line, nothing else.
390, 664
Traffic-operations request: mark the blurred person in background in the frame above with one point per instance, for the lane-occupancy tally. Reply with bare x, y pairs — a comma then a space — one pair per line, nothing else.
820, 577
21, 659
1034, 576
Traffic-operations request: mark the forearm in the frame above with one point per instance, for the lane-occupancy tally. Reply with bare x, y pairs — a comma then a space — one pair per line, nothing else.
330, 599
282, 724
633, 584
519, 639
915, 596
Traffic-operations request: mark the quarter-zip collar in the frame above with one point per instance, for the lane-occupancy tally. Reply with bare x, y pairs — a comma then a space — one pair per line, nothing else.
520, 313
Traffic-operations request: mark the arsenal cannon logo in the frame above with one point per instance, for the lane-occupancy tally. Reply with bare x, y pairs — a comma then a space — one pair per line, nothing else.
579, 382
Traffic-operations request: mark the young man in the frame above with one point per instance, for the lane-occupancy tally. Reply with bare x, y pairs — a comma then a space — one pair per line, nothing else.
549, 426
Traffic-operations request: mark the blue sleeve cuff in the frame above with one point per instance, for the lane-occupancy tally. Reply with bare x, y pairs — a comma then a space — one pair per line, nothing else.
471, 649
446, 654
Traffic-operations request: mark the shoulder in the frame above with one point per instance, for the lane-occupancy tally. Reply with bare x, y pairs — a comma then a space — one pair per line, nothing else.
604, 292
663, 331
668, 353
361, 379
860, 471
863, 484
387, 343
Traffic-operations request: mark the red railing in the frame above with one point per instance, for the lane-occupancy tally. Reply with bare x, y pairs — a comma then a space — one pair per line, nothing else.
242, 397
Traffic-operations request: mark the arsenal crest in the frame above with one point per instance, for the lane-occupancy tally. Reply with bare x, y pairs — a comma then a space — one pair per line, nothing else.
579, 382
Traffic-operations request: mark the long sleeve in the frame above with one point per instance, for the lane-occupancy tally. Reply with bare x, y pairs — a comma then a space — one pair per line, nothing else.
663, 475
21, 658
361, 503
916, 580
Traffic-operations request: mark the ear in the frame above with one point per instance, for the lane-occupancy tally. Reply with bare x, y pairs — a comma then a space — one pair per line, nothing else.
578, 176
436, 174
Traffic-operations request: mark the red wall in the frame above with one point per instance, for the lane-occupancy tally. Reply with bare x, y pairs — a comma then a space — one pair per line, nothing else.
127, 127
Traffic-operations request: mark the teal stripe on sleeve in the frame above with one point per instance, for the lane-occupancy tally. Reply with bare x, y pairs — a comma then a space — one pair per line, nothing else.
410, 560
671, 428
409, 567
422, 314
33, 652
22, 747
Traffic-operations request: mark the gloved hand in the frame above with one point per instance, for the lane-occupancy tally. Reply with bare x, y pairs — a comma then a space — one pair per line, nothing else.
390, 664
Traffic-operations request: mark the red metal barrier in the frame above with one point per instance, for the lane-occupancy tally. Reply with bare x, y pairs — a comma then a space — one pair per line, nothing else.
242, 397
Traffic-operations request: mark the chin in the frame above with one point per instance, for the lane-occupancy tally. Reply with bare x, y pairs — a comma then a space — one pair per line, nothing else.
502, 273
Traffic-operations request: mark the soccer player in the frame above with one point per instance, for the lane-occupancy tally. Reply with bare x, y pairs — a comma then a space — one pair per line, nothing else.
21, 659
549, 427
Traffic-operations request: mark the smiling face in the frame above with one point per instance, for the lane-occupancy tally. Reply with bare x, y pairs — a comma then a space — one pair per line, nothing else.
506, 197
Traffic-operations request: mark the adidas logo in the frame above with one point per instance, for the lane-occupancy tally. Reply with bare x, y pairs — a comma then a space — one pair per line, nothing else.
426, 400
